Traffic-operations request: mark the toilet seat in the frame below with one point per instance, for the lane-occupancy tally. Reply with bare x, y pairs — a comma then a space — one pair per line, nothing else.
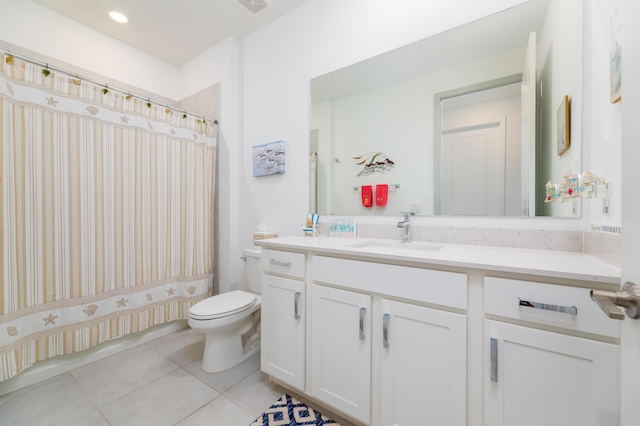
222, 305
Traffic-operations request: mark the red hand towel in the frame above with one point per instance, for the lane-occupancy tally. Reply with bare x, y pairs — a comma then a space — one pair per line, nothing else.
367, 195
382, 191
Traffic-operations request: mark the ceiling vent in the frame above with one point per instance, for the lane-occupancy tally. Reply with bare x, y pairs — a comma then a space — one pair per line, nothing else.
254, 6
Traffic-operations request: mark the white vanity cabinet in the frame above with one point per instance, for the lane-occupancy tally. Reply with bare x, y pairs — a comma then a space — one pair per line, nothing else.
283, 316
395, 336
423, 365
372, 348
341, 350
536, 376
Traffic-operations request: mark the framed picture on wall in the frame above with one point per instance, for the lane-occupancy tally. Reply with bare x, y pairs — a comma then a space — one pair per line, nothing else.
268, 159
563, 126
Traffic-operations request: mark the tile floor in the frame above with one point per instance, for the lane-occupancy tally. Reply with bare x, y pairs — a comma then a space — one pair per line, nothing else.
156, 383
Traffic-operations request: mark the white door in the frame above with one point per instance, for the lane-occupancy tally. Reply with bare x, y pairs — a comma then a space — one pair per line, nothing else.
539, 377
473, 169
631, 207
341, 350
282, 353
528, 96
424, 366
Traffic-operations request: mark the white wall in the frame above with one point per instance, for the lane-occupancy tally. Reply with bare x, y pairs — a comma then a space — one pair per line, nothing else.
606, 118
223, 63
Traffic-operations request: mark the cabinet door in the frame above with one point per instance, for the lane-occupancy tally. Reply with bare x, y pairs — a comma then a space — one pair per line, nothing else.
424, 366
283, 330
341, 350
546, 378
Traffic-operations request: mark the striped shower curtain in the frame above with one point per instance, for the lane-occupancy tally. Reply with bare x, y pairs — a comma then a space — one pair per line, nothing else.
106, 223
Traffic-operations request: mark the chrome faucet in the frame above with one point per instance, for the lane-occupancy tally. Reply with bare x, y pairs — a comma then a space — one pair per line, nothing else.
406, 237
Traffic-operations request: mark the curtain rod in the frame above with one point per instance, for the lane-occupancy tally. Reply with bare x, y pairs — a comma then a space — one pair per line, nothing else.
97, 83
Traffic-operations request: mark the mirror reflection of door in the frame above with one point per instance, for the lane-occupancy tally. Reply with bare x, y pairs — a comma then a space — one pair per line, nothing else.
480, 169
473, 169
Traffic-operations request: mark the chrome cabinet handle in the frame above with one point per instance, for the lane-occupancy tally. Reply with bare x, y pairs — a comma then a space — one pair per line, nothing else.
280, 263
361, 330
296, 301
544, 306
385, 331
628, 298
494, 360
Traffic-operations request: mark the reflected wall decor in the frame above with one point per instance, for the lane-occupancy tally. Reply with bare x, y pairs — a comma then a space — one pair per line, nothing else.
563, 126
616, 57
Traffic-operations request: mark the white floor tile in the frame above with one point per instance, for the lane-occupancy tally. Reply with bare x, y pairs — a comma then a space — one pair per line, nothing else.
226, 379
146, 386
219, 412
57, 401
256, 393
182, 347
163, 402
118, 375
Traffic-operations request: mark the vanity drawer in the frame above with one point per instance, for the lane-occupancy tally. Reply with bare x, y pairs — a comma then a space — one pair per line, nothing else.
283, 263
550, 304
424, 285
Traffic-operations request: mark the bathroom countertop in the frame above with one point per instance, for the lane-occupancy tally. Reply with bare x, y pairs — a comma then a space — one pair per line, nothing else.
546, 263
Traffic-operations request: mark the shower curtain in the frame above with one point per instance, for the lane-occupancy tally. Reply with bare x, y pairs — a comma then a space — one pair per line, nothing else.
107, 214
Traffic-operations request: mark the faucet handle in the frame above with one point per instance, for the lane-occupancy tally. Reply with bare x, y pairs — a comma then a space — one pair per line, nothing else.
406, 216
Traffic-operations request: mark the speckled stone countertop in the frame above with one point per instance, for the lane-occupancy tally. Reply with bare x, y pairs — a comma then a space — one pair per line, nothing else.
545, 263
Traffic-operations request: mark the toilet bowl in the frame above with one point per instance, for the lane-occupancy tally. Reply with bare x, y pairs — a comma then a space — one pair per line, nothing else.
230, 321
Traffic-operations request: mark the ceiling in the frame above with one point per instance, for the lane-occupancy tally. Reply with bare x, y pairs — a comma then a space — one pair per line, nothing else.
174, 31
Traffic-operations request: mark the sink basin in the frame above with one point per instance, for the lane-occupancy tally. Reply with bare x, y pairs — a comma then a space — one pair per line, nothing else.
397, 245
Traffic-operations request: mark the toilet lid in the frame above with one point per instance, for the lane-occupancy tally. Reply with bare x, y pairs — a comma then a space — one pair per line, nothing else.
222, 305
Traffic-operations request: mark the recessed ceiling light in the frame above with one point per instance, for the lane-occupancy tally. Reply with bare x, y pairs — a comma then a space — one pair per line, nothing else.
117, 16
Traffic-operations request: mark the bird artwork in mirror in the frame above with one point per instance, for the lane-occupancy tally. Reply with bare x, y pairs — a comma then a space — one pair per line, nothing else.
374, 162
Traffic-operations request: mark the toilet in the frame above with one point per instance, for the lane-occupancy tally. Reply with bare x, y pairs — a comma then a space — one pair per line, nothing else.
230, 321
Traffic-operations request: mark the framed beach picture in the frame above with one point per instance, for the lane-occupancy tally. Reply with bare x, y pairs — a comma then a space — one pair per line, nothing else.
563, 126
268, 159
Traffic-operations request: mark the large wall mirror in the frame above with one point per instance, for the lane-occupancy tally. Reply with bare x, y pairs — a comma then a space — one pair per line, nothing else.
466, 122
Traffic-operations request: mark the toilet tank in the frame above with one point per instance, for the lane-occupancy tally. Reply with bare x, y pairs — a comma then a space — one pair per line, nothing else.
252, 268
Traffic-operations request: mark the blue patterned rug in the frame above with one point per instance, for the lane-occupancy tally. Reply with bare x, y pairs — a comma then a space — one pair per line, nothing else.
288, 411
